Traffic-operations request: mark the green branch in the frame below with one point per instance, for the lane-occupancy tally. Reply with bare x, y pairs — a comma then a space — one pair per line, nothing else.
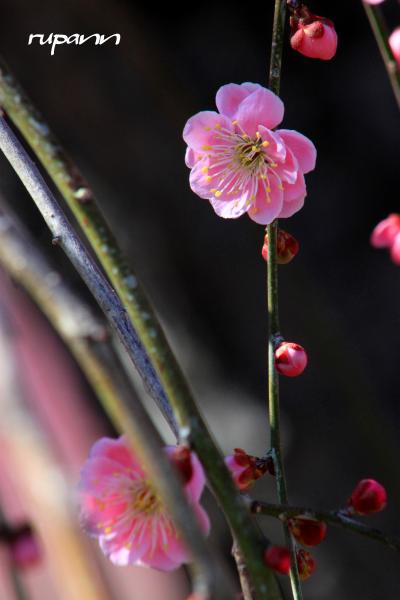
191, 424
380, 30
336, 518
278, 35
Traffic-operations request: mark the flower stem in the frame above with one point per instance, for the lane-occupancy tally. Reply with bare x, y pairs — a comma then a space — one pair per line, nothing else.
278, 33
336, 518
191, 425
380, 30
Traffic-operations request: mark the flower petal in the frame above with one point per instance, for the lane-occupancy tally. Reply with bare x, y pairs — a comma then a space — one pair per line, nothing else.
122, 548
262, 107
303, 148
198, 180
290, 208
230, 209
231, 95
294, 190
114, 449
288, 170
267, 207
200, 130
276, 148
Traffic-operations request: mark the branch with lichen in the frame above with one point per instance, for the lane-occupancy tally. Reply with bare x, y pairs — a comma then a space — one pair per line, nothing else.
191, 426
381, 33
273, 311
337, 518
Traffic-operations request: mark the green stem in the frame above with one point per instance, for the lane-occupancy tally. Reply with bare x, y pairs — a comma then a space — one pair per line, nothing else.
192, 427
333, 517
379, 27
278, 34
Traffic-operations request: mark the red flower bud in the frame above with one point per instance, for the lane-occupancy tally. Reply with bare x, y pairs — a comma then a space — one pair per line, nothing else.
308, 532
278, 559
305, 563
290, 359
313, 36
181, 459
24, 548
286, 247
368, 497
245, 469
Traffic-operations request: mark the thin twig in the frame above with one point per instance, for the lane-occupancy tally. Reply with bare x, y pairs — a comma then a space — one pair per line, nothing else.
336, 518
381, 32
127, 413
273, 311
192, 427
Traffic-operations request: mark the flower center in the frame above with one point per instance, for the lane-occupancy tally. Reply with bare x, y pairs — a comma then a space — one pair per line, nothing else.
249, 153
145, 499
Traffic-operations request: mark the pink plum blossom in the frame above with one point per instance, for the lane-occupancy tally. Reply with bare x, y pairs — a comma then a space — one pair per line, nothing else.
394, 42
240, 164
373, 1
121, 507
315, 39
387, 235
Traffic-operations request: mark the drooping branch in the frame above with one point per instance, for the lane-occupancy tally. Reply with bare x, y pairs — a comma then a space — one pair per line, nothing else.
191, 424
336, 518
66, 314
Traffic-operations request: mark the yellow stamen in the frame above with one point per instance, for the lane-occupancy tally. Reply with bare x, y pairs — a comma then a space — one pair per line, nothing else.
218, 126
208, 178
204, 170
265, 144
218, 194
206, 148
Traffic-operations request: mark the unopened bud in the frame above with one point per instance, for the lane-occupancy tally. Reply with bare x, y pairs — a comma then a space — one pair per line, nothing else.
286, 247
24, 548
368, 497
290, 359
305, 564
313, 36
394, 43
277, 558
181, 459
308, 532
245, 469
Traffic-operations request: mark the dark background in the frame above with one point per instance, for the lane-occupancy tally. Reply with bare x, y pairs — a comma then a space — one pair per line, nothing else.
119, 112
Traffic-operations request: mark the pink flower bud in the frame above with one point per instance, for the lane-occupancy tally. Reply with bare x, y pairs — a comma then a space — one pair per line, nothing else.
278, 559
286, 247
395, 250
373, 1
394, 42
308, 532
290, 359
24, 548
305, 563
314, 36
384, 233
368, 497
245, 469
182, 460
